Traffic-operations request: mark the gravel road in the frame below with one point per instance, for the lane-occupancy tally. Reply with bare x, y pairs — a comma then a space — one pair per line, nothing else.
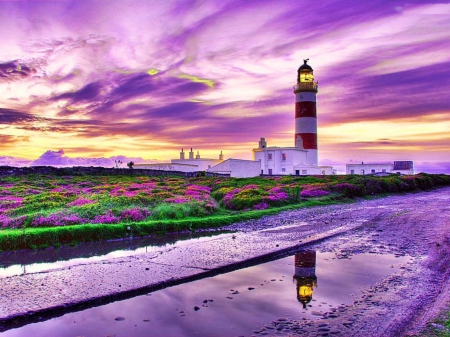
417, 225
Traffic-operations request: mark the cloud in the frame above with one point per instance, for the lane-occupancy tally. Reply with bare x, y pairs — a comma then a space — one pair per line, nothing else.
15, 70
57, 158
215, 73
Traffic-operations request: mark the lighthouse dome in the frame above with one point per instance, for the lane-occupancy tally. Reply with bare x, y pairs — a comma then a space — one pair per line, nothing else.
305, 66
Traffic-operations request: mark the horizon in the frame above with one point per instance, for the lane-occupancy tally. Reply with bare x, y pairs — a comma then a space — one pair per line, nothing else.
218, 76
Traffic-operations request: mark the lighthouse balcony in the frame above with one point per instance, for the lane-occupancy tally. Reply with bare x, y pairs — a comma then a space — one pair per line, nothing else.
306, 86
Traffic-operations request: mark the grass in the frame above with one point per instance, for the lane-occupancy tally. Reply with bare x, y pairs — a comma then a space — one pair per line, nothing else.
33, 238
48, 210
438, 328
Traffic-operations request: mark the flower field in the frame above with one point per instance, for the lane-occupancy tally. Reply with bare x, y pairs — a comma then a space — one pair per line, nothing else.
35, 201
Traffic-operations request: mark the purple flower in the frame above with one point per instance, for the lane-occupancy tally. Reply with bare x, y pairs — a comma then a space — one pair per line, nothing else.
7, 222
177, 200
80, 202
261, 206
134, 214
105, 218
313, 193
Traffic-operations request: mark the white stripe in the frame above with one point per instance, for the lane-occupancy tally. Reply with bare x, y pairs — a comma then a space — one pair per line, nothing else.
306, 125
305, 97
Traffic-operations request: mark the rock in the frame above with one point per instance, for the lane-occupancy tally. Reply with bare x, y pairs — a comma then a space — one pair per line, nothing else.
196, 308
119, 319
250, 288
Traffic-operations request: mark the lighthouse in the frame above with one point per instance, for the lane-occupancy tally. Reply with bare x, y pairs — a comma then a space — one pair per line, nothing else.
306, 113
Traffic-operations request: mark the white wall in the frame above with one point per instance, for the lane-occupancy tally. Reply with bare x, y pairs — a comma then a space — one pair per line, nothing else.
202, 164
272, 159
238, 168
167, 167
363, 169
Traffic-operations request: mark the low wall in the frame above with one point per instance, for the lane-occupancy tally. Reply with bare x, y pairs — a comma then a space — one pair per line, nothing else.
95, 171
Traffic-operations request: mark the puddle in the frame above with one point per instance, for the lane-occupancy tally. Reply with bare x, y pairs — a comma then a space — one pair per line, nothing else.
232, 304
22, 262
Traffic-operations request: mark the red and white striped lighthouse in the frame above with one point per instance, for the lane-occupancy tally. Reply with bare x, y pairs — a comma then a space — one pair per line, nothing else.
305, 112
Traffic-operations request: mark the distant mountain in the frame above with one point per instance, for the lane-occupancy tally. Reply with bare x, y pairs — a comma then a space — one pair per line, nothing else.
57, 158
14, 161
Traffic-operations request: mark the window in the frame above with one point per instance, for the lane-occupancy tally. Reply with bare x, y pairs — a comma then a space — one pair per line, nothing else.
373, 171
297, 172
362, 172
383, 170
352, 171
323, 172
283, 156
304, 172
269, 156
283, 169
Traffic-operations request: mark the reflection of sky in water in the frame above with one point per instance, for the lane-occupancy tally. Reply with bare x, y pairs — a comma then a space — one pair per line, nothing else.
32, 267
337, 280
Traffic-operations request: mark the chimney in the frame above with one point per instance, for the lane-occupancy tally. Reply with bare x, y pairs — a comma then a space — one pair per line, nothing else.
198, 155
262, 143
182, 154
220, 156
191, 154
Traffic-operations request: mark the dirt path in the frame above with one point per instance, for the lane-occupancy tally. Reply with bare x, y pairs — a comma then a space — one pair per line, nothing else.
417, 225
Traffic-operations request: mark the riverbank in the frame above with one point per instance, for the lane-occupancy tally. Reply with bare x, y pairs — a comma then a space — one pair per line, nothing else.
37, 211
399, 305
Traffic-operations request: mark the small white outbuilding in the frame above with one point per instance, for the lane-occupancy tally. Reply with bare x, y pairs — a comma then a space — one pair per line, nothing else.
237, 168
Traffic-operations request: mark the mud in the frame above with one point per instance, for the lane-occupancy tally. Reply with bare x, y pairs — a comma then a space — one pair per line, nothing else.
400, 305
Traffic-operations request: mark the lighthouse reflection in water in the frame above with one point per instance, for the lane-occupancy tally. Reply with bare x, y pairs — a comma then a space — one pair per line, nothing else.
305, 276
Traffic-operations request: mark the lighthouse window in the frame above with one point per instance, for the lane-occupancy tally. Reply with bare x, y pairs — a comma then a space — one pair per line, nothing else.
269, 156
283, 156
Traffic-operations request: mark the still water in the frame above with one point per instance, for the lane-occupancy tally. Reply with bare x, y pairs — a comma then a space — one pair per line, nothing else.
231, 304
22, 262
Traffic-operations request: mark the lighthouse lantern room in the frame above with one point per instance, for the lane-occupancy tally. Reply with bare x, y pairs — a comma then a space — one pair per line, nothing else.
306, 113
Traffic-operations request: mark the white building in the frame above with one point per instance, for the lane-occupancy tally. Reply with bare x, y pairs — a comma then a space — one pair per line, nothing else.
238, 168
191, 164
398, 167
287, 161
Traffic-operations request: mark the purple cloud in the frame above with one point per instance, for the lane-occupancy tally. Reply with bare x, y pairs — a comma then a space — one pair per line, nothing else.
219, 73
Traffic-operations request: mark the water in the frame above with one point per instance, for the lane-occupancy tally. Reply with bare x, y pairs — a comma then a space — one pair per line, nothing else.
22, 262
231, 304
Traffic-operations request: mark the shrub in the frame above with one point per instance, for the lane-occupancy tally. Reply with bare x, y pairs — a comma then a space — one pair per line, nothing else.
313, 193
347, 189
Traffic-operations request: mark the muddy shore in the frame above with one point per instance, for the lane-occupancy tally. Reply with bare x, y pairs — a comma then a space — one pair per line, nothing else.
417, 225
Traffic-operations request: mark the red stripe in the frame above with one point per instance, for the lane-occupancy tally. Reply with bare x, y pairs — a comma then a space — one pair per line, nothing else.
309, 140
305, 109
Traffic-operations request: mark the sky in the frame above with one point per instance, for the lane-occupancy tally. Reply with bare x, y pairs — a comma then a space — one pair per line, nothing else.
143, 79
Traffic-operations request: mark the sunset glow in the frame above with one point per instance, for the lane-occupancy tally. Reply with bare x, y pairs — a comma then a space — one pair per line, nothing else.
146, 78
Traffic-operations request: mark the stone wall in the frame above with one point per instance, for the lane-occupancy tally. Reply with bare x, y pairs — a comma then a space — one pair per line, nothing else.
95, 171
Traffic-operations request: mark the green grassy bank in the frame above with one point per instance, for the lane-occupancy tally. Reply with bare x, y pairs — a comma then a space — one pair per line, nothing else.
39, 210
33, 238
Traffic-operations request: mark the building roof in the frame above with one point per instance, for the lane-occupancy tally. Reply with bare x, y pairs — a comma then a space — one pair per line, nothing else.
368, 164
403, 165
273, 148
164, 164
305, 66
